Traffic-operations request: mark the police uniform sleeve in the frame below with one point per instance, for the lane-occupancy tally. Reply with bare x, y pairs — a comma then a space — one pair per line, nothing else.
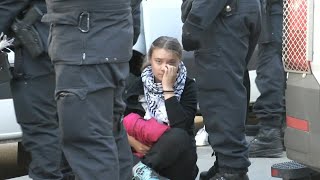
135, 6
201, 15
9, 9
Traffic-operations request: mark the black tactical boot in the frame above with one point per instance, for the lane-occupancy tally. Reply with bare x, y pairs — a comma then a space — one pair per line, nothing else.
230, 176
267, 143
206, 175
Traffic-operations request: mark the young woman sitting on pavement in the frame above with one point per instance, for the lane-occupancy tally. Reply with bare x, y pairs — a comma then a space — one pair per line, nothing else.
161, 106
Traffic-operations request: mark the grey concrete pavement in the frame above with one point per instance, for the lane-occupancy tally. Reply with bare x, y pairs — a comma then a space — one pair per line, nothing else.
260, 168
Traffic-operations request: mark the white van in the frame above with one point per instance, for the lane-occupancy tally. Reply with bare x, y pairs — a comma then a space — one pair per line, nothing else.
9, 129
301, 59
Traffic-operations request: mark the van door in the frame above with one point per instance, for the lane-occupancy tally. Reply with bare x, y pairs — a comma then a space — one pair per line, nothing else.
9, 128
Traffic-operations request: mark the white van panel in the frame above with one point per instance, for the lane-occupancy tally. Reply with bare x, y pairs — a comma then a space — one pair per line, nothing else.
11, 58
161, 18
9, 128
315, 64
254, 92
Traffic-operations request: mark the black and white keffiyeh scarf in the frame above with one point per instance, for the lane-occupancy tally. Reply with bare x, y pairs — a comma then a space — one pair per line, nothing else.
153, 93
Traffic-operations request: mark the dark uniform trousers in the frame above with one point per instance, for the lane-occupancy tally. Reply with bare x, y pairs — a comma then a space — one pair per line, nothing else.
90, 107
269, 107
32, 88
227, 46
35, 106
90, 44
174, 155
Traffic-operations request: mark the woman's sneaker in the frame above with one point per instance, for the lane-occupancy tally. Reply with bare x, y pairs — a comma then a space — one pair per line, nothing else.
143, 172
202, 137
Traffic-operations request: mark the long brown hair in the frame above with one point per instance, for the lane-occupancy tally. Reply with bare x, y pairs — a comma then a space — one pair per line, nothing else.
164, 42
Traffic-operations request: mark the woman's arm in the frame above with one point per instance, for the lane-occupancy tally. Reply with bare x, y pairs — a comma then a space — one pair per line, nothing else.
181, 114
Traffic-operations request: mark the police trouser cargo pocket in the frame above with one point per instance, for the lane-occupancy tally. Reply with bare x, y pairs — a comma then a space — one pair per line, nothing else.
33, 100
89, 124
89, 100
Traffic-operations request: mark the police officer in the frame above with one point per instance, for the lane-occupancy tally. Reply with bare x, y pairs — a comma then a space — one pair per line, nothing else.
269, 107
33, 86
90, 45
223, 34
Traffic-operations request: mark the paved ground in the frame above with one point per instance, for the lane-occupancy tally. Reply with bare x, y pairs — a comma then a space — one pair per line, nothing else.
259, 169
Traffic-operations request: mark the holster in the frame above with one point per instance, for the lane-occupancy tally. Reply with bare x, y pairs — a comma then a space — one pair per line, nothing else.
5, 74
26, 33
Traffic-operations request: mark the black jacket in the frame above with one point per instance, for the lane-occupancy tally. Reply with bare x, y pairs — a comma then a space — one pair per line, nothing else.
91, 32
26, 66
10, 9
204, 13
180, 114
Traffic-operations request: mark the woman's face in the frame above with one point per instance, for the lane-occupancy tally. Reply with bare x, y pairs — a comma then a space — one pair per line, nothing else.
160, 58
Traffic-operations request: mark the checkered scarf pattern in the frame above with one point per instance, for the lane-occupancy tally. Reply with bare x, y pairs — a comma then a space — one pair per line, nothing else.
153, 92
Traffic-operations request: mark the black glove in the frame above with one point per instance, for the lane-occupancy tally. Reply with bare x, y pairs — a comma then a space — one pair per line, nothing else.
190, 37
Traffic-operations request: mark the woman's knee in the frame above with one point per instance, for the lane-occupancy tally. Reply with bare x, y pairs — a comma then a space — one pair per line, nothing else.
176, 136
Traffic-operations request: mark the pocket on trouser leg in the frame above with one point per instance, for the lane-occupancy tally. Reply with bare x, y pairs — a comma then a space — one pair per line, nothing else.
23, 102
71, 113
207, 67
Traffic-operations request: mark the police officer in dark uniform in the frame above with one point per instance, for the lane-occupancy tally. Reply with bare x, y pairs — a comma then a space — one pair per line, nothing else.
223, 34
136, 13
33, 86
269, 107
90, 45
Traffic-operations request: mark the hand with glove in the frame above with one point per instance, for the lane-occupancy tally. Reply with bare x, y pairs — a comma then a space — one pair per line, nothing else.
190, 37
